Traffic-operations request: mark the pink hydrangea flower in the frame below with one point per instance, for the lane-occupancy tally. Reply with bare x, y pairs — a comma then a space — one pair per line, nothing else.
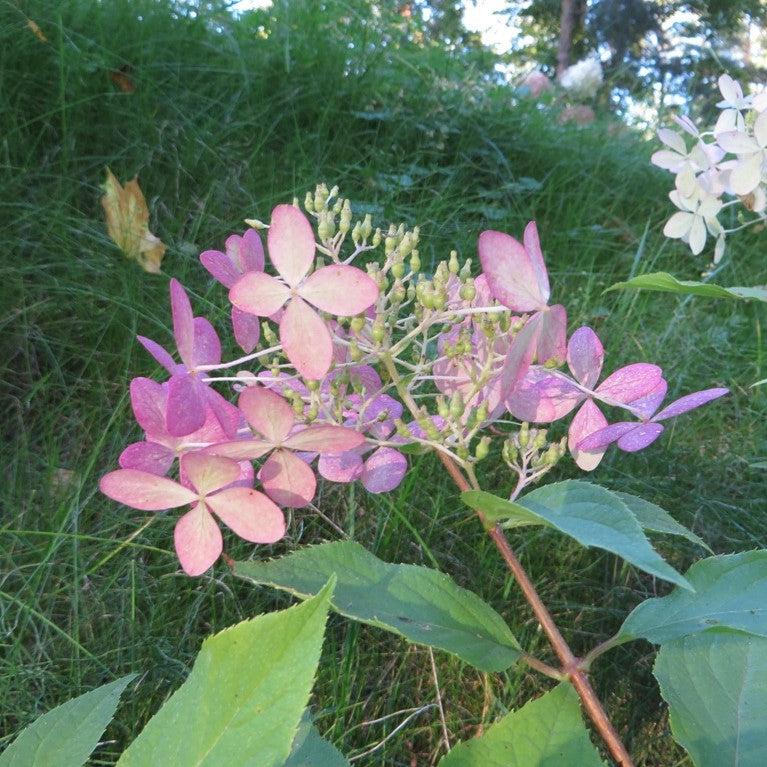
632, 436
544, 396
189, 397
286, 478
338, 289
197, 537
243, 254
158, 451
517, 277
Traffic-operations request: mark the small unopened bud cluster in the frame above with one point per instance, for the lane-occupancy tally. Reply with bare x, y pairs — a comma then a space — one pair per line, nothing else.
531, 453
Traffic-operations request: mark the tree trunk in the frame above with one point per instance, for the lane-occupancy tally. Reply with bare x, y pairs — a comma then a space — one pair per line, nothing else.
566, 29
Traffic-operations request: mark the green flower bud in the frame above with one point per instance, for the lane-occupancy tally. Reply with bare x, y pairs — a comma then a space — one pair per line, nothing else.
406, 245
443, 408
453, 264
312, 412
509, 452
296, 203
465, 272
309, 203
357, 323
456, 405
354, 351
482, 450
539, 441
367, 226
467, 291
376, 238
378, 331
254, 223
398, 269
269, 335
398, 292
524, 434
415, 262
482, 412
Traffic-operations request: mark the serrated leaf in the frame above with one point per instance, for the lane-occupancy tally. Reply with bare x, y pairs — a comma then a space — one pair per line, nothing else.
418, 603
66, 735
592, 515
546, 732
654, 518
730, 592
716, 687
667, 283
310, 749
245, 696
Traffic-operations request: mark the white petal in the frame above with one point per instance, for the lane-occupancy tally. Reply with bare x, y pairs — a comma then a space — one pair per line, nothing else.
678, 225
736, 142
686, 124
685, 182
667, 160
719, 249
760, 129
709, 206
697, 235
747, 174
729, 89
727, 121
759, 101
673, 140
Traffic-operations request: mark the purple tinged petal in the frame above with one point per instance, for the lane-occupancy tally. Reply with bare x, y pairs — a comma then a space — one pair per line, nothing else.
552, 341
585, 356
226, 414
533, 247
690, 402
251, 251
645, 406
220, 266
147, 456
148, 400
341, 467
588, 420
247, 329
384, 470
207, 347
520, 356
640, 437
542, 397
629, 383
183, 322
159, 353
600, 439
185, 411
145, 491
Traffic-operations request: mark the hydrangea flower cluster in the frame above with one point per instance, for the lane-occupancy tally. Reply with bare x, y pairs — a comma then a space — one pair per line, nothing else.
583, 79
726, 160
347, 369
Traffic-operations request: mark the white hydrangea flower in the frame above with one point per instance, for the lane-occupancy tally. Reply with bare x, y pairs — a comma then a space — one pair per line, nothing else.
746, 173
732, 105
584, 78
695, 218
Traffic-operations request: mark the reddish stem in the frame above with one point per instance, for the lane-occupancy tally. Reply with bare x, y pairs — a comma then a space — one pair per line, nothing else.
571, 665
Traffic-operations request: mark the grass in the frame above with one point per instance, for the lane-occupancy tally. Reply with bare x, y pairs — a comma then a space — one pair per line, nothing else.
227, 119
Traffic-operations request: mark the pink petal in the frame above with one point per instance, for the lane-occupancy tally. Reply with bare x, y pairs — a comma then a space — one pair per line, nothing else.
207, 472
645, 407
183, 322
510, 273
638, 439
288, 481
220, 266
247, 329
147, 456
291, 243
543, 397
306, 339
241, 449
258, 293
588, 420
384, 470
339, 289
226, 414
600, 439
325, 438
207, 347
552, 341
533, 247
158, 353
197, 540
145, 491
249, 514
690, 402
520, 356
629, 383
185, 411
269, 414
148, 400
250, 250
341, 467
585, 355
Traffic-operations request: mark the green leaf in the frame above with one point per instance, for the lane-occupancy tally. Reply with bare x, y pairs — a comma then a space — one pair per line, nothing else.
546, 732
498, 510
654, 518
244, 697
730, 592
716, 687
592, 515
310, 749
420, 604
667, 283
67, 734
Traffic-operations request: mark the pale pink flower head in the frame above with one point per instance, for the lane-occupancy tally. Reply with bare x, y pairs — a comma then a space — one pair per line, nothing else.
338, 289
243, 254
197, 537
286, 478
631, 436
189, 397
536, 83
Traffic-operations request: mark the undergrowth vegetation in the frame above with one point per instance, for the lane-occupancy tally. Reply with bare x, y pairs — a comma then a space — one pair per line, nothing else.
219, 116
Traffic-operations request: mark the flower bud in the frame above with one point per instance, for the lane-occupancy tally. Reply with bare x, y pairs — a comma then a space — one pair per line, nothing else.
269, 335
357, 233
453, 264
367, 226
524, 434
376, 238
456, 405
296, 203
467, 291
539, 441
509, 452
338, 207
312, 412
465, 272
482, 449
406, 245
415, 262
443, 409
320, 197
398, 292
482, 412
378, 331
398, 269
256, 224
309, 203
